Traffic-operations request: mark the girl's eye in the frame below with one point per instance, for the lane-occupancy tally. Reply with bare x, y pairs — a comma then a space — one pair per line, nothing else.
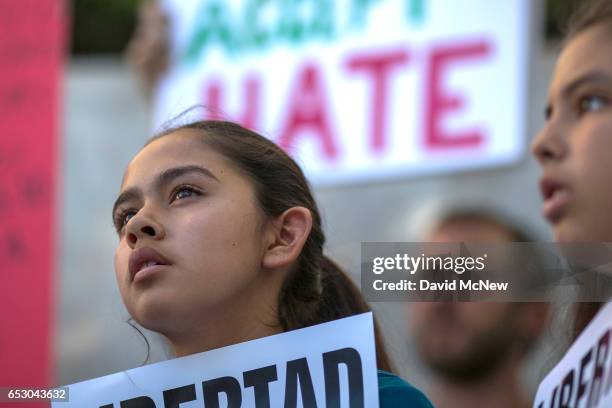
591, 104
184, 192
122, 218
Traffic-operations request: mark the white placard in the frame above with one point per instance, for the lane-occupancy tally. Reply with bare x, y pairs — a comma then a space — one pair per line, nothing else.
323, 363
358, 89
583, 378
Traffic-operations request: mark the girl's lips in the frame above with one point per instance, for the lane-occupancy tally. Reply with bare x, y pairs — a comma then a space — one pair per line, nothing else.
147, 271
147, 260
556, 199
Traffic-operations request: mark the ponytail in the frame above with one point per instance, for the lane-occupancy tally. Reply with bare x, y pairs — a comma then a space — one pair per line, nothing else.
584, 313
343, 298
333, 296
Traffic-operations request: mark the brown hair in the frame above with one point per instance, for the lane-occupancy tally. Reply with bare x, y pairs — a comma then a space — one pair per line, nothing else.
584, 312
317, 290
586, 15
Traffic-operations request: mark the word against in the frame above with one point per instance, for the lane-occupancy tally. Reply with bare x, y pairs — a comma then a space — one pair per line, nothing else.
331, 364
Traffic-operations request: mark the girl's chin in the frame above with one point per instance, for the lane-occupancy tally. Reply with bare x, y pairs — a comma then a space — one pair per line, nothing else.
567, 231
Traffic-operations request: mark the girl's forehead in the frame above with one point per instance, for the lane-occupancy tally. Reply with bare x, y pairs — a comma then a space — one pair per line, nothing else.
588, 52
174, 150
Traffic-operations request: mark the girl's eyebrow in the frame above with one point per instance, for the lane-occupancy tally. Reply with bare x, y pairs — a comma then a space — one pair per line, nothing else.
591, 77
596, 77
165, 177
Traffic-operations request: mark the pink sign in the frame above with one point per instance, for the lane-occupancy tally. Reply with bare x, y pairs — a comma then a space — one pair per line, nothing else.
31, 53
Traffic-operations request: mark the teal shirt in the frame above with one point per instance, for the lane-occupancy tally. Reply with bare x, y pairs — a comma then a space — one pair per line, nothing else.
393, 392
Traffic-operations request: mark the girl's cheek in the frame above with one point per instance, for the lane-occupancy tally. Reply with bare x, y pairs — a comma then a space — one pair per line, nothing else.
121, 260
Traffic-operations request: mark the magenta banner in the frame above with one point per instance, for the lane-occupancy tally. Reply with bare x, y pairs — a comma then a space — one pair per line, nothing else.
31, 53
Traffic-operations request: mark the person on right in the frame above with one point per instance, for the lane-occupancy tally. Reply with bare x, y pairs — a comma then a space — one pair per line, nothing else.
574, 151
574, 146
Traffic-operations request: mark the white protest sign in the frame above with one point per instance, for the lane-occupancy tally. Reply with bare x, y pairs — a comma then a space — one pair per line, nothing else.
583, 377
358, 89
331, 364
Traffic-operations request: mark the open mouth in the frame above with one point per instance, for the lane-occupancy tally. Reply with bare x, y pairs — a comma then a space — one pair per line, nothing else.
145, 261
556, 198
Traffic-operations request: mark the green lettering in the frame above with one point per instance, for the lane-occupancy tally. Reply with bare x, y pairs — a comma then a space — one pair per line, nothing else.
296, 22
255, 34
290, 26
359, 12
213, 24
323, 18
416, 11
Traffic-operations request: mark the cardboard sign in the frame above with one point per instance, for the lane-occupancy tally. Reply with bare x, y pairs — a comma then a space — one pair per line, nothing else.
583, 378
331, 364
358, 89
31, 56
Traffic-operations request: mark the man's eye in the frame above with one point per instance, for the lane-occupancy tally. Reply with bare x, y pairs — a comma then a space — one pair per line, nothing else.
184, 192
591, 104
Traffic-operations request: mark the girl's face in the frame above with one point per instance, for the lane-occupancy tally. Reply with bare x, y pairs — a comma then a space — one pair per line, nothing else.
191, 236
575, 146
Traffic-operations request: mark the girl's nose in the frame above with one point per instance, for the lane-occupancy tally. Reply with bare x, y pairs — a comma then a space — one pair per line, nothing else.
143, 226
549, 145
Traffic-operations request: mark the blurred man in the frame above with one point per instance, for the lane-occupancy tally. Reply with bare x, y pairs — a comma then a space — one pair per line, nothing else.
476, 350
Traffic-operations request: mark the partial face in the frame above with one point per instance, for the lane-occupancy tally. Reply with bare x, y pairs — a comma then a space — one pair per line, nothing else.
466, 341
190, 234
469, 230
574, 147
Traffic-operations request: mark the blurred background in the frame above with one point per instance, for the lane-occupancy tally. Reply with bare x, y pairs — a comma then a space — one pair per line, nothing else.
107, 108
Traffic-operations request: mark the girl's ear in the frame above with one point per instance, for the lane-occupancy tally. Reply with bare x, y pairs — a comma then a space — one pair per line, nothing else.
290, 231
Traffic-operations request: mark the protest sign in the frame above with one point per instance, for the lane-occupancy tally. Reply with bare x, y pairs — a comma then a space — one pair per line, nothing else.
31, 53
332, 364
358, 89
583, 377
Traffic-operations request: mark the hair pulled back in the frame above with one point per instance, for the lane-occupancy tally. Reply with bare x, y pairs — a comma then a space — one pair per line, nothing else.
317, 290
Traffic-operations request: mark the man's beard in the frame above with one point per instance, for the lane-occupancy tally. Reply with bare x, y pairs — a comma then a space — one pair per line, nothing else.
483, 355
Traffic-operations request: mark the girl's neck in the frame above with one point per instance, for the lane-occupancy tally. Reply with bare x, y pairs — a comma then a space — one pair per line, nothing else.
218, 334
250, 315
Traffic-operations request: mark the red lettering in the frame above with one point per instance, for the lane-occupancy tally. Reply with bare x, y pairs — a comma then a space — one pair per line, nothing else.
213, 100
251, 108
308, 111
213, 96
439, 102
378, 68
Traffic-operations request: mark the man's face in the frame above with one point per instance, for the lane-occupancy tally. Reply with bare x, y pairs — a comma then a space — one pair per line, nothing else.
466, 340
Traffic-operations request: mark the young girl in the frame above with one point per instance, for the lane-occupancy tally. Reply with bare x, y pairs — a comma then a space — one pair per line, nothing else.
574, 146
218, 228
